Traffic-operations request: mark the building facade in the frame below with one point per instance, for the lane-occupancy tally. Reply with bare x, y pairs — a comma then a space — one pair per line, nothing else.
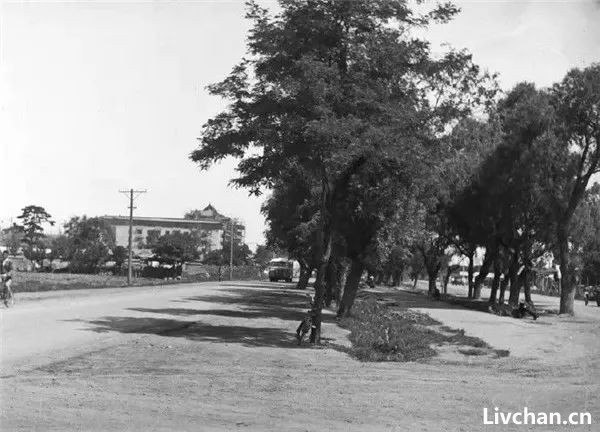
214, 228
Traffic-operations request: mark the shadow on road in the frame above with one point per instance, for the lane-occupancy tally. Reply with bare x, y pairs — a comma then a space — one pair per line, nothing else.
198, 331
246, 303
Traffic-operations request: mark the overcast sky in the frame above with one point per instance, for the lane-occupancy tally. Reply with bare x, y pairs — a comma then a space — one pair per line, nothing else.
101, 96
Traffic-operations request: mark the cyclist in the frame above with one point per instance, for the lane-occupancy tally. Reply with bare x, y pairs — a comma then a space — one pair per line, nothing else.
6, 268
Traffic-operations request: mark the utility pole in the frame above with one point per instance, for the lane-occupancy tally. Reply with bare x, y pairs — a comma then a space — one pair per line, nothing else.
131, 193
231, 253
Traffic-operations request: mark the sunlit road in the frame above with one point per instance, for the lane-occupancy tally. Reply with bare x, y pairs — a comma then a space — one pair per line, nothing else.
58, 325
61, 325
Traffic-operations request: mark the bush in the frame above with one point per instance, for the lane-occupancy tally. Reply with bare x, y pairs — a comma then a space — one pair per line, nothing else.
215, 273
378, 333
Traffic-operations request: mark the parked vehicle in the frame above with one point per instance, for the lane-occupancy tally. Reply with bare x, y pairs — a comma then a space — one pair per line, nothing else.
281, 269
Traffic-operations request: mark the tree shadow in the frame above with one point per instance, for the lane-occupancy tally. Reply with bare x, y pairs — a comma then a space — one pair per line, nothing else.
247, 303
286, 314
198, 331
408, 299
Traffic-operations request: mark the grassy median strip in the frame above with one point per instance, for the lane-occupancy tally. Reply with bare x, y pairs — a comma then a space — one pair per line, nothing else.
381, 333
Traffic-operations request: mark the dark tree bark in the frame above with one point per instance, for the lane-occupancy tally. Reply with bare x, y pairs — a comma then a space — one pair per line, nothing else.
515, 285
449, 270
503, 286
567, 289
331, 281
351, 287
397, 276
432, 282
495, 284
433, 264
470, 272
527, 284
527, 272
305, 272
317, 310
315, 335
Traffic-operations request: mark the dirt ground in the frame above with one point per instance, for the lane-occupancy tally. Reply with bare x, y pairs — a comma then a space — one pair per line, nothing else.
225, 359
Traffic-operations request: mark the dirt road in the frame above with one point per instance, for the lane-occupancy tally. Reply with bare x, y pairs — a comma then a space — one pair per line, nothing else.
222, 357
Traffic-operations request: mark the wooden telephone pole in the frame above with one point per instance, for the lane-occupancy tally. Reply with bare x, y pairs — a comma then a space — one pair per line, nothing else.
131, 193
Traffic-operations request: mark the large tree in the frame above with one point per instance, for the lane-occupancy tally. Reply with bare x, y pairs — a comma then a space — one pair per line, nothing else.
574, 152
177, 246
292, 226
90, 241
33, 217
330, 85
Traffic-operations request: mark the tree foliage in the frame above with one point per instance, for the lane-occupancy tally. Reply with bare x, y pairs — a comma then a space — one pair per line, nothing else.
87, 244
177, 246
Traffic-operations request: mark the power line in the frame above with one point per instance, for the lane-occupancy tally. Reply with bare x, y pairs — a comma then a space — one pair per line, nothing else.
131, 193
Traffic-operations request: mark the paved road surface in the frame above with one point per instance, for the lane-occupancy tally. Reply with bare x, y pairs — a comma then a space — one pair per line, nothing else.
56, 325
239, 368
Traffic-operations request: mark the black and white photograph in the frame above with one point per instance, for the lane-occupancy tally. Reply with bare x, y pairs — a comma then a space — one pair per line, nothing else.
299, 215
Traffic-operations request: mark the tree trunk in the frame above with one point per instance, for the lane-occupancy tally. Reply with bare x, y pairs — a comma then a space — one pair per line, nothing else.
331, 281
343, 270
432, 284
351, 287
305, 272
495, 284
470, 274
397, 277
567, 289
527, 274
515, 286
317, 309
488, 260
527, 284
503, 286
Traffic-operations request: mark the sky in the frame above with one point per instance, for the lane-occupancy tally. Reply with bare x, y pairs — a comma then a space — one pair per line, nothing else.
96, 97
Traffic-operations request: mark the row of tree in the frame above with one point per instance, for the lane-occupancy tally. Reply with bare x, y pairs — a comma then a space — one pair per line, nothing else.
380, 155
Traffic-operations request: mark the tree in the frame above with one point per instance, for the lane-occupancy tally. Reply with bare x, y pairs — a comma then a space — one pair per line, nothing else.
13, 238
221, 257
90, 243
575, 151
264, 254
290, 213
584, 251
61, 247
177, 246
329, 86
33, 217
119, 256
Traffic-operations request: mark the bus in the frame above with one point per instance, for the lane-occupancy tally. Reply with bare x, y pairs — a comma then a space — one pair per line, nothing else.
281, 269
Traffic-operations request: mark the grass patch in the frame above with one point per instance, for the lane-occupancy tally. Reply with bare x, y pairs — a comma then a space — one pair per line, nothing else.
378, 333
37, 282
34, 282
472, 351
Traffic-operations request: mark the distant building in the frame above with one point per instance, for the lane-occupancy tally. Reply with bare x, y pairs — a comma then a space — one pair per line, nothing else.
214, 227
